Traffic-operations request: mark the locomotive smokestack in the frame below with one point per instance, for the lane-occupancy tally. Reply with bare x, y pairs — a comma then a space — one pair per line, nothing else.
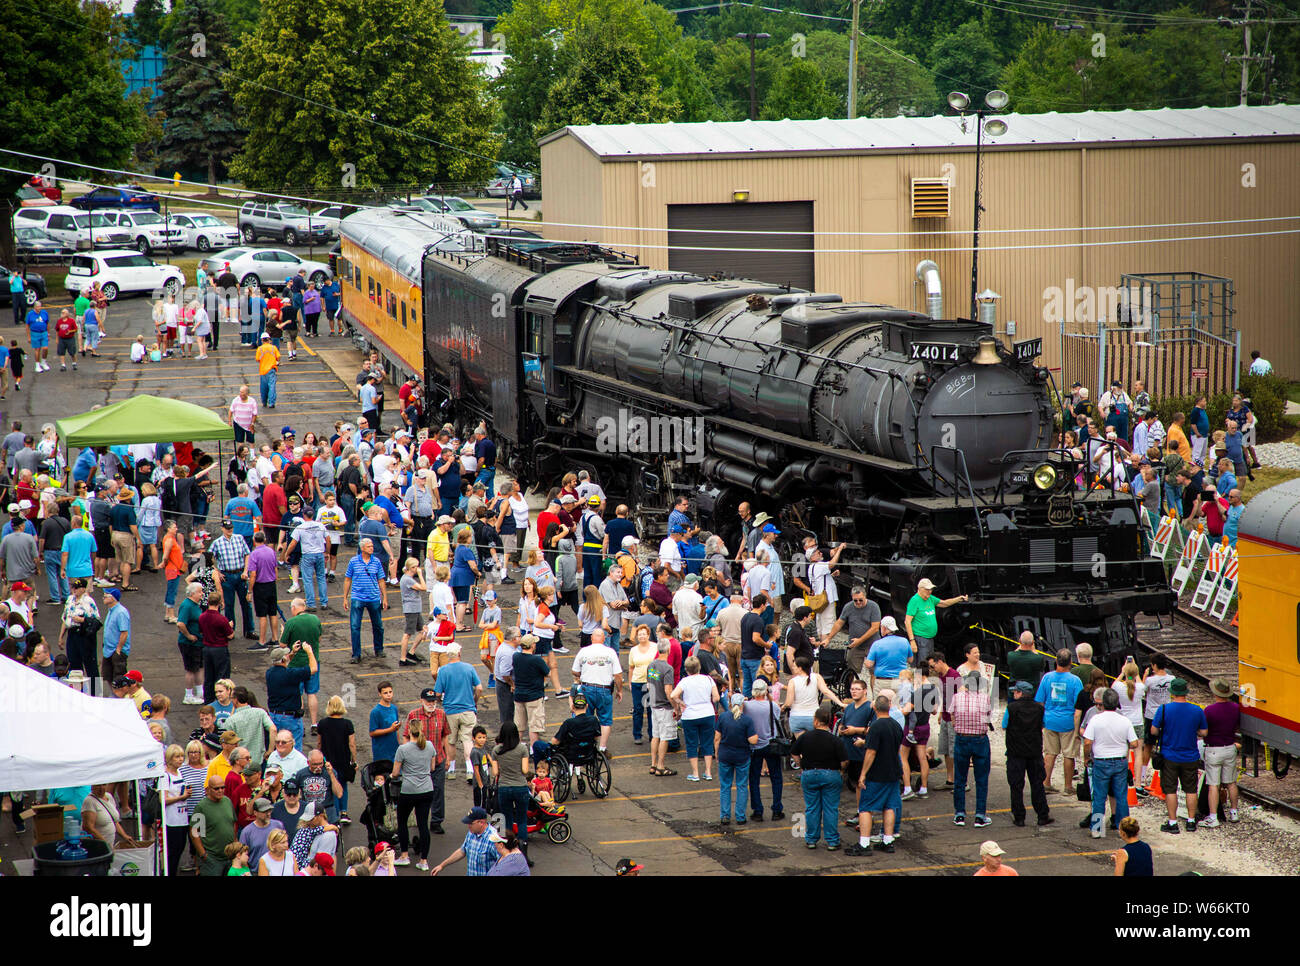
928, 272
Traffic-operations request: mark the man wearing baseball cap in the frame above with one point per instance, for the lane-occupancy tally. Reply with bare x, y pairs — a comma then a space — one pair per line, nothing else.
594, 542
1178, 723
992, 854
627, 867
478, 849
432, 722
922, 625
117, 635
1022, 724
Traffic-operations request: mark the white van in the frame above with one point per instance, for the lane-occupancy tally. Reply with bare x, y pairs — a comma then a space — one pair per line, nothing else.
121, 271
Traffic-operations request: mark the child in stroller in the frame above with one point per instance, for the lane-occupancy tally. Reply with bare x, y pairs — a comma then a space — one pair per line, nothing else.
381, 794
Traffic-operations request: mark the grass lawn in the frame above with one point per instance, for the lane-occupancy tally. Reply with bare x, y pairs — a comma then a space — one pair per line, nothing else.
1264, 478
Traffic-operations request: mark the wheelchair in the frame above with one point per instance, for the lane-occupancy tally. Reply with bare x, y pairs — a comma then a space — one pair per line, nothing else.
583, 764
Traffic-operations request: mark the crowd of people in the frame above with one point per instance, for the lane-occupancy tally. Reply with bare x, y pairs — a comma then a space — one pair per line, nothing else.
1187, 468
727, 649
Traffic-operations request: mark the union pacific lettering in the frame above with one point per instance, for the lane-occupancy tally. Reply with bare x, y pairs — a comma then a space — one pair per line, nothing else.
462, 341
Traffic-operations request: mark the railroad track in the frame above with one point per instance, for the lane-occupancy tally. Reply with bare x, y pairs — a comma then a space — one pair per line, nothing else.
1200, 650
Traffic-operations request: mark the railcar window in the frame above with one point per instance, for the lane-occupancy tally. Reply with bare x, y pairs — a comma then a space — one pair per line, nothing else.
391, 304
371, 280
403, 315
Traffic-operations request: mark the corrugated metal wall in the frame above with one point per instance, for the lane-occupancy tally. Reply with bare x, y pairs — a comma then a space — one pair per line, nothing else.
1023, 188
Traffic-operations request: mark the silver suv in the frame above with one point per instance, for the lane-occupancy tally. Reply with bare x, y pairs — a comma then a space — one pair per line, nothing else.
282, 220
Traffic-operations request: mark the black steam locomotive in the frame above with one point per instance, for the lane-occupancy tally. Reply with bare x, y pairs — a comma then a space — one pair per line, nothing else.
923, 444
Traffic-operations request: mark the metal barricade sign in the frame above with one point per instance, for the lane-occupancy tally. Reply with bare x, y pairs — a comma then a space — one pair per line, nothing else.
1227, 587
1187, 560
1210, 577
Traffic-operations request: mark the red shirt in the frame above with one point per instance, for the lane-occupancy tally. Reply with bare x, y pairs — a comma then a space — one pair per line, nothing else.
431, 449
274, 503
28, 493
65, 327
544, 520
274, 303
434, 724
184, 454
1216, 513
446, 632
240, 794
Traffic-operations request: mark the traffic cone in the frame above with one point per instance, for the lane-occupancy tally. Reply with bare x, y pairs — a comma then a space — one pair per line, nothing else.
1154, 787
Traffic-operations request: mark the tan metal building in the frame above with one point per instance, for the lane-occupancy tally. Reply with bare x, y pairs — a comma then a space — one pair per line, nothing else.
1072, 202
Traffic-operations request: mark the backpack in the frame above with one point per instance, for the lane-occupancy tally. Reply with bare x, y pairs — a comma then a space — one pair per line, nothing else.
168, 494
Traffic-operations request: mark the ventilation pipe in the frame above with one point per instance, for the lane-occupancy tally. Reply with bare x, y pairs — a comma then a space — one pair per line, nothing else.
986, 304
928, 272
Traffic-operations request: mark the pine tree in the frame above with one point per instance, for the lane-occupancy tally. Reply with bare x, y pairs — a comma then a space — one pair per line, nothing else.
200, 127
148, 22
357, 94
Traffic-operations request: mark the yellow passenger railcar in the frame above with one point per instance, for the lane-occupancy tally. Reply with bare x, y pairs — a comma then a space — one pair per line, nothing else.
1268, 650
379, 271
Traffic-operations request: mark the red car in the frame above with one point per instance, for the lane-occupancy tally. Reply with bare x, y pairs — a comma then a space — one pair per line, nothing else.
47, 187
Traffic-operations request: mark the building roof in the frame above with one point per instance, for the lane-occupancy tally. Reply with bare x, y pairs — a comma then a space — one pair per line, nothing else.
400, 236
905, 134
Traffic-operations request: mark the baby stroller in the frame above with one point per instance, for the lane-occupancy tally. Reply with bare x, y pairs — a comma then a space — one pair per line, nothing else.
381, 794
553, 822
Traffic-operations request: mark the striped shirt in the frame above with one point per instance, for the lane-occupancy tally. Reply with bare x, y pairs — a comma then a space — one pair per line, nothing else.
230, 552
195, 780
366, 578
243, 411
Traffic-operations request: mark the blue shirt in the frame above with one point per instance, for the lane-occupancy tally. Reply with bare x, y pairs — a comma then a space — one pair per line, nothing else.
241, 511
79, 545
890, 655
366, 579
1057, 693
1225, 483
1178, 722
330, 293
389, 507
385, 747
92, 317
676, 518
85, 464
1200, 421
116, 621
1229, 525
461, 575
456, 683
1232, 447
38, 321
8, 528
16, 286
855, 717
367, 397
377, 533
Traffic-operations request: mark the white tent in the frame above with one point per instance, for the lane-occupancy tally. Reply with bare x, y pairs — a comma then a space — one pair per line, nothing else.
53, 736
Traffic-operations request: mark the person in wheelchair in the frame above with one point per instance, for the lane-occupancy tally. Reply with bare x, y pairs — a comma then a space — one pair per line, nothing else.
578, 734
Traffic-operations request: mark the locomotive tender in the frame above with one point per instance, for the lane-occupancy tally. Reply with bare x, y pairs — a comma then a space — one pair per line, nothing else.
923, 443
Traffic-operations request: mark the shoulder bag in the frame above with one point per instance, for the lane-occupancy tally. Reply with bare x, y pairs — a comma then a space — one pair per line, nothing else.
779, 743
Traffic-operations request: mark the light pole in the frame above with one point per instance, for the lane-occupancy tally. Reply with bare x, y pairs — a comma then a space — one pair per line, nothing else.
994, 101
853, 61
753, 93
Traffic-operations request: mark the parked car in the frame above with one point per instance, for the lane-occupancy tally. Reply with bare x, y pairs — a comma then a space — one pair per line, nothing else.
122, 196
205, 232
474, 219
36, 244
74, 229
264, 267
48, 188
29, 197
121, 271
283, 220
330, 218
499, 187
34, 292
148, 230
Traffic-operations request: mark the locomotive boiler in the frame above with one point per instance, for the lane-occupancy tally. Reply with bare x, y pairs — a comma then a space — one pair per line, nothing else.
922, 443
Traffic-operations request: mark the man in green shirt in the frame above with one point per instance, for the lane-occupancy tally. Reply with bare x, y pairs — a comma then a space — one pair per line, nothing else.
212, 828
1025, 663
922, 624
189, 639
1083, 670
79, 306
304, 628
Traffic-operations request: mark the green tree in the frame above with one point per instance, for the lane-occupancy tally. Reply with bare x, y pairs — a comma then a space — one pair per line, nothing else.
67, 62
966, 60
534, 32
800, 91
148, 22
890, 84
602, 80
1059, 72
358, 94
241, 16
1186, 65
200, 128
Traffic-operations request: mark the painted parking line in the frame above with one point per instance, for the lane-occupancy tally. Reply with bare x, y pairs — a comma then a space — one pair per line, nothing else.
970, 865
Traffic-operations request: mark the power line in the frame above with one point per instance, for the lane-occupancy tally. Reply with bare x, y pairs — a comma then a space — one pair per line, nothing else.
718, 231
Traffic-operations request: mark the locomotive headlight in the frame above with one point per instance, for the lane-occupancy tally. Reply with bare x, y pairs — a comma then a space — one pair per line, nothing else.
1044, 476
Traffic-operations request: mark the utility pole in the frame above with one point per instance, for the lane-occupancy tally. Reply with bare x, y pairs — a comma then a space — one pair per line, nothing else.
753, 90
853, 61
1247, 58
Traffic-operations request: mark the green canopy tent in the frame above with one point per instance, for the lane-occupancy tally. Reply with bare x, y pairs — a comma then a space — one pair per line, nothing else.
143, 419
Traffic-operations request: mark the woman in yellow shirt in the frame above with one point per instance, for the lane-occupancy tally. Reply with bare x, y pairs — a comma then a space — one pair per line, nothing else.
638, 659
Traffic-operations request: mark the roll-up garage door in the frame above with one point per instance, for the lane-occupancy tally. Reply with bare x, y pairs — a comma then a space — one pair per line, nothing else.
701, 231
